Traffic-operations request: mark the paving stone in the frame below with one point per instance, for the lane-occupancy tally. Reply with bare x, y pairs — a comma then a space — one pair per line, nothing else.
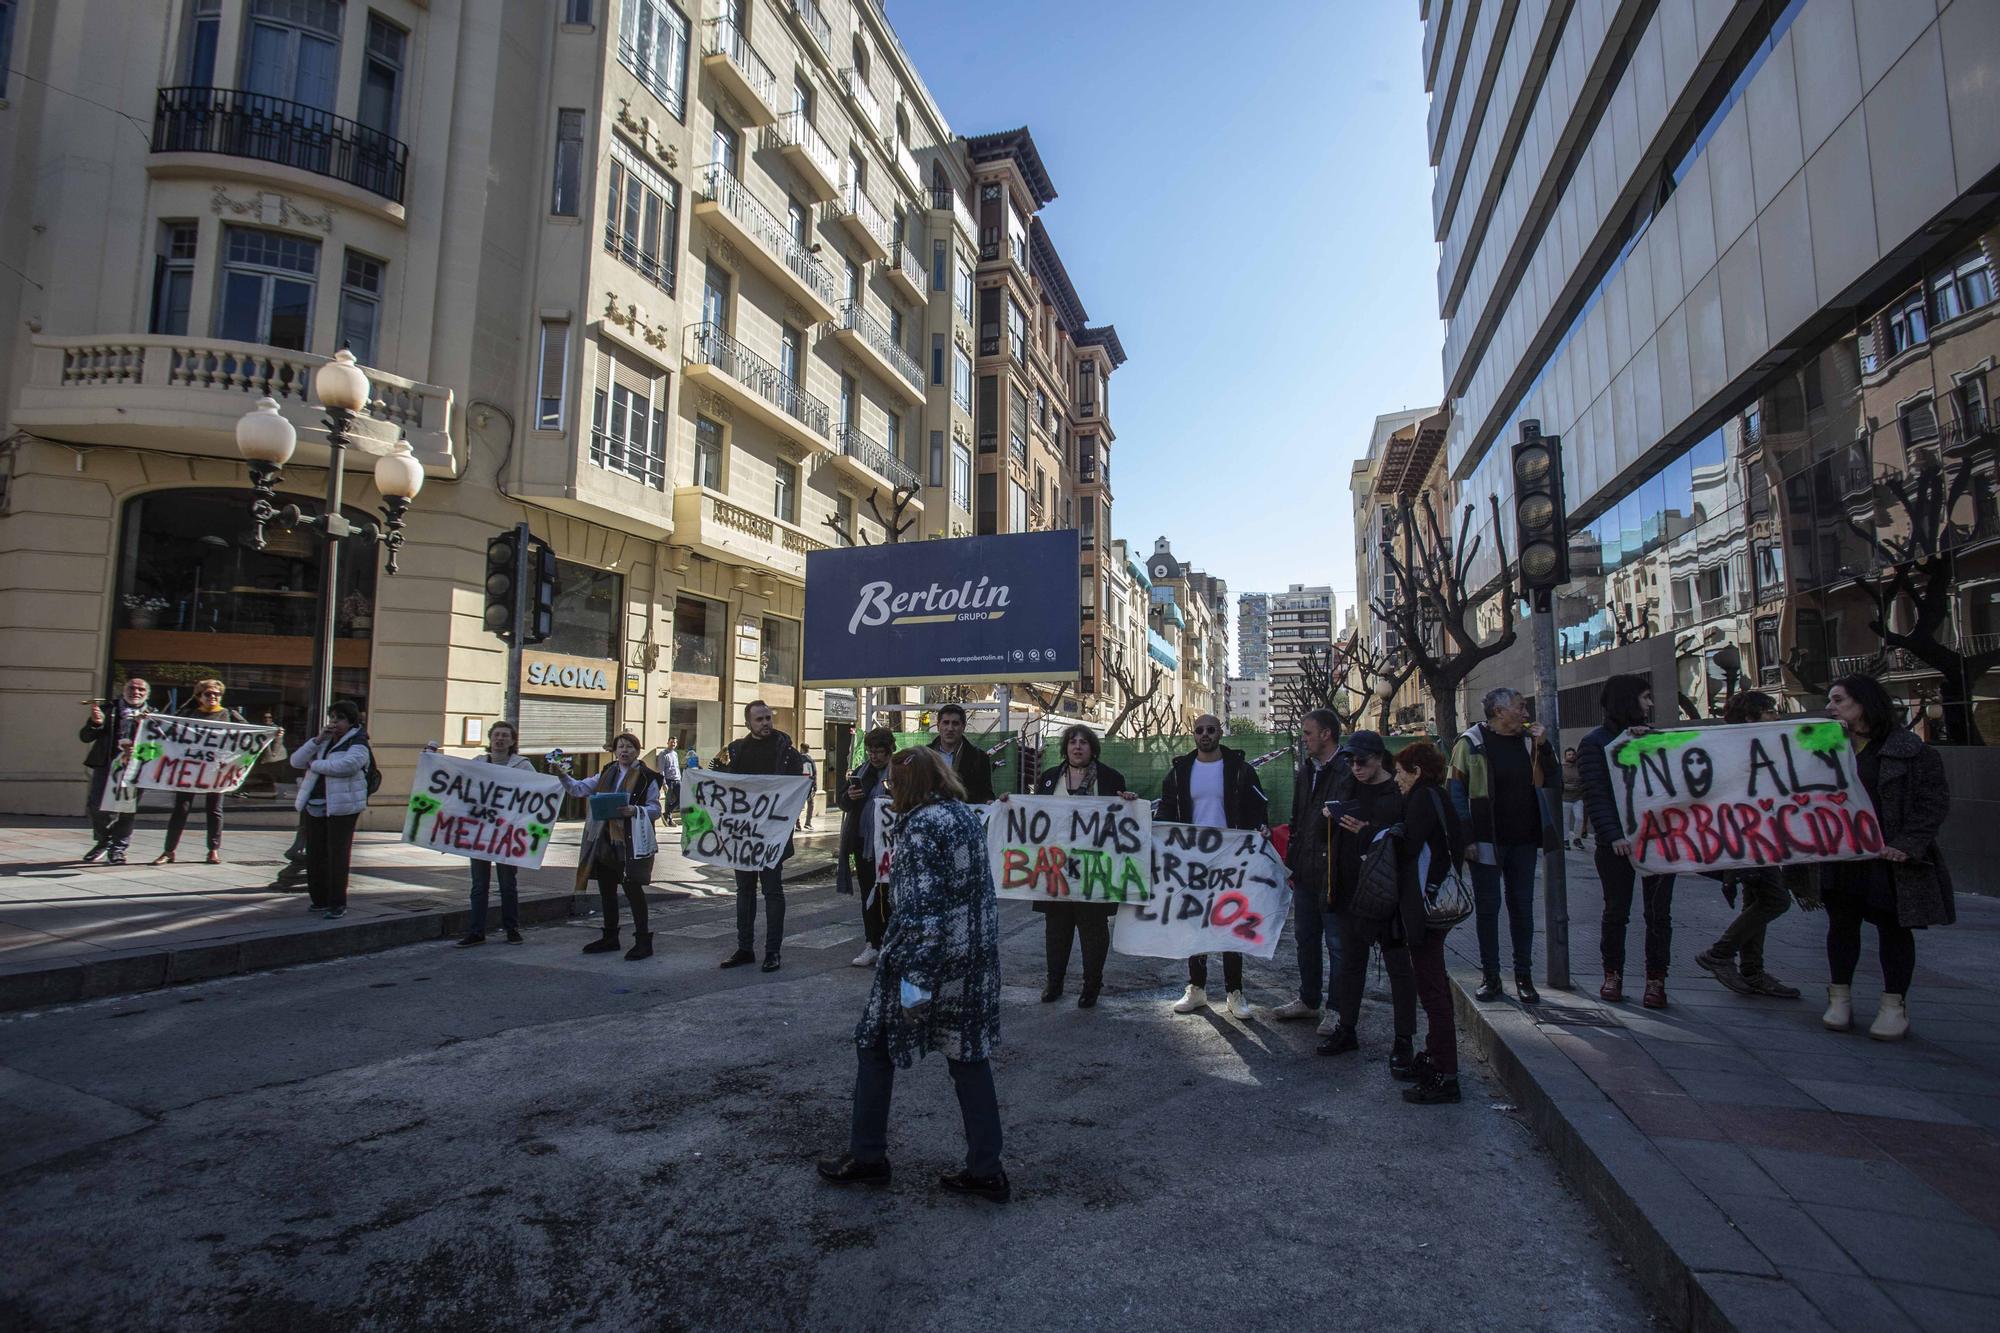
1924, 1252
1717, 1167
1785, 1233
1878, 1100
1938, 1311
1851, 1303
1709, 1086
1766, 1305
1880, 1184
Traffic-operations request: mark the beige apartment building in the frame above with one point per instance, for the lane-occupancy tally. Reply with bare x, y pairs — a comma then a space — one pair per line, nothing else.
687, 288
1403, 463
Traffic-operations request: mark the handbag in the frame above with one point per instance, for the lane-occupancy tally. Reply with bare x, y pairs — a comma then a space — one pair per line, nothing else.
1379, 888
1447, 902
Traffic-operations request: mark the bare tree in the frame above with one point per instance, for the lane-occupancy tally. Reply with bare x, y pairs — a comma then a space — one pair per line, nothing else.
1366, 664
894, 524
1433, 589
1132, 699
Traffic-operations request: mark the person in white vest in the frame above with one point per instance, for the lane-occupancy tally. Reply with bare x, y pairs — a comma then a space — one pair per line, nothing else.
332, 795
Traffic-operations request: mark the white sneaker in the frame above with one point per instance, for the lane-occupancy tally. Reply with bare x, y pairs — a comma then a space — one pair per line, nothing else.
1192, 999
1295, 1009
867, 957
1329, 1023
1238, 1006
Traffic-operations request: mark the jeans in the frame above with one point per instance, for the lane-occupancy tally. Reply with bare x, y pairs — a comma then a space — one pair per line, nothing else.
613, 871
1764, 901
1061, 922
874, 901
183, 807
1618, 875
1514, 880
772, 882
1898, 943
1574, 825
510, 899
1232, 971
1357, 939
1312, 924
114, 830
1434, 994
329, 846
875, 1080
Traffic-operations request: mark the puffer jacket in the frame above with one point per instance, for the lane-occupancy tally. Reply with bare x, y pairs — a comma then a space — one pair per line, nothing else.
1911, 801
341, 773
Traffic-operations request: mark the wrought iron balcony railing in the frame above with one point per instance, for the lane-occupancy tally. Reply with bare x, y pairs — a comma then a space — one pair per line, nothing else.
723, 38
904, 257
857, 319
290, 134
793, 130
875, 458
719, 186
708, 345
815, 23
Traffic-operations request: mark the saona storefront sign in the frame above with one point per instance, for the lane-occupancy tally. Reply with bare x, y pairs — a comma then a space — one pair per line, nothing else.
575, 676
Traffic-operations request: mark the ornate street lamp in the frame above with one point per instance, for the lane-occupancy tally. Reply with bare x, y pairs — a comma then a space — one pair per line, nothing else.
266, 440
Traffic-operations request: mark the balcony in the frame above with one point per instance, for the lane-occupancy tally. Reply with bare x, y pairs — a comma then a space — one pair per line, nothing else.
905, 271
727, 206
856, 87
861, 332
184, 395
717, 527
905, 161
949, 201
809, 17
810, 155
864, 220
871, 464
749, 381
729, 59
233, 123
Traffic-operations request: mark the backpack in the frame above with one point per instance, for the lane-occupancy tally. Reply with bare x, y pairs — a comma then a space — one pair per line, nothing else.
374, 773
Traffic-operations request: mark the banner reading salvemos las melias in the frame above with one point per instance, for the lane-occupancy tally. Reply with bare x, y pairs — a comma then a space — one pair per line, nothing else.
189, 754
1757, 794
1213, 891
968, 609
487, 812
740, 820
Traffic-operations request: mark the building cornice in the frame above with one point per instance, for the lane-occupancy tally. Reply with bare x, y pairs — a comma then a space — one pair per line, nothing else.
1018, 146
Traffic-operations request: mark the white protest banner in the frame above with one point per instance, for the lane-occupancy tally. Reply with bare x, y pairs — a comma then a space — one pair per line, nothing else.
487, 812
740, 820
1214, 891
1080, 849
188, 754
1757, 794
887, 821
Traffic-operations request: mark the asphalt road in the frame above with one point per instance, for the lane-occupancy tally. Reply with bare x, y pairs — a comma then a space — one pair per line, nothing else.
523, 1137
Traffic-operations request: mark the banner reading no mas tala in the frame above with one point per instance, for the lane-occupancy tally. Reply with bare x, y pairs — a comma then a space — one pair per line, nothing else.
932, 613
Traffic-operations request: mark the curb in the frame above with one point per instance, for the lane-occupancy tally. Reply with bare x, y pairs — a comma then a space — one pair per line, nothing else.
1686, 1253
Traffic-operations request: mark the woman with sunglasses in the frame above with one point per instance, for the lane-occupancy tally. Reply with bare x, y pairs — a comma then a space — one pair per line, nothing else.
206, 705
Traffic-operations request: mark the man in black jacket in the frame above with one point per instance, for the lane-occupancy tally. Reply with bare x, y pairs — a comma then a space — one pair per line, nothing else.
764, 750
108, 733
1323, 777
972, 764
1213, 786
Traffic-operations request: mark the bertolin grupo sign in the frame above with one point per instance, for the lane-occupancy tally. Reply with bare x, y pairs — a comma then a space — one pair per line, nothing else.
935, 612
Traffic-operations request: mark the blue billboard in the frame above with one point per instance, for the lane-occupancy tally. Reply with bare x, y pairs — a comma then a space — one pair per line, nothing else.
936, 612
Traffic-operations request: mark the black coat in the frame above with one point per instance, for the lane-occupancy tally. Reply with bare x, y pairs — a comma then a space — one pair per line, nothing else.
1600, 798
1911, 801
1305, 855
852, 811
1445, 837
1380, 806
974, 769
1244, 804
1109, 783
777, 755
103, 737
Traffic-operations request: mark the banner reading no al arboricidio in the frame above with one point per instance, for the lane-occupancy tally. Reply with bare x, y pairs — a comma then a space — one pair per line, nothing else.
189, 754
487, 812
1214, 891
739, 820
1756, 794
1071, 849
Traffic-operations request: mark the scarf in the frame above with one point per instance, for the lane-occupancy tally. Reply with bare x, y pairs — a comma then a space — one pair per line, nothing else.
619, 829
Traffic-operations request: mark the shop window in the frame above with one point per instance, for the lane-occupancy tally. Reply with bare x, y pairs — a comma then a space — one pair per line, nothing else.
590, 605
778, 660
698, 630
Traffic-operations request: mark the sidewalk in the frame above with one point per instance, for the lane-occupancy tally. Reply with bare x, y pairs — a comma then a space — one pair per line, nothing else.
70, 931
1762, 1173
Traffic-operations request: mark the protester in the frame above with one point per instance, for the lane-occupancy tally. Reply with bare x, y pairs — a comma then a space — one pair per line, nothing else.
1765, 898
811, 768
764, 750
332, 795
503, 746
110, 737
857, 837
1322, 776
670, 784
972, 765
1502, 771
1374, 804
1627, 702
937, 986
1215, 787
1908, 887
1433, 845
1080, 774
206, 705
618, 849
1574, 821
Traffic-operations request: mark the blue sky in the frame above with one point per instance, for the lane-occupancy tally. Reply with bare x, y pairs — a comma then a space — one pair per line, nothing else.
1249, 202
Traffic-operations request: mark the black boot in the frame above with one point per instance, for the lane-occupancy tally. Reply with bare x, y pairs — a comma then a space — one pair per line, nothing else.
1526, 987
1402, 1059
1339, 1042
1489, 989
606, 943
1436, 1090
642, 946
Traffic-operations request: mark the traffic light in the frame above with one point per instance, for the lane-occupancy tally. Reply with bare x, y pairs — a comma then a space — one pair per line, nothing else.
1540, 526
542, 593
502, 571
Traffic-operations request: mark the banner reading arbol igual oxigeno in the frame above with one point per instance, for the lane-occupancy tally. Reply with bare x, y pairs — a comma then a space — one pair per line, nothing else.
928, 613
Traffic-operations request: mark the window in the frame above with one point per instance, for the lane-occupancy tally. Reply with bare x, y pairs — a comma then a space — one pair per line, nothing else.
576, 13
1041, 486
989, 321
779, 653
843, 514
1086, 385
934, 475
723, 146
204, 30
292, 50
1907, 324
896, 327
853, 279
962, 289
653, 44
567, 192
1969, 401
850, 401
1017, 332
715, 299
961, 477
590, 603
937, 358
1017, 420
173, 279
940, 263
1017, 507
707, 454
798, 222
785, 494
552, 375
267, 288
792, 354
989, 414
895, 437
1963, 287
1918, 421
360, 306
642, 217
698, 627
803, 101
986, 521
382, 76
629, 421
857, 173
961, 379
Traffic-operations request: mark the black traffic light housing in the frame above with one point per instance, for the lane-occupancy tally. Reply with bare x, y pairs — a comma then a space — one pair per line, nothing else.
1541, 527
503, 572
542, 590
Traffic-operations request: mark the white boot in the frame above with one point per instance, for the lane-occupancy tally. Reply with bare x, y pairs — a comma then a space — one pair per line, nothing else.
866, 958
1238, 1006
1194, 998
1839, 1015
1892, 1020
